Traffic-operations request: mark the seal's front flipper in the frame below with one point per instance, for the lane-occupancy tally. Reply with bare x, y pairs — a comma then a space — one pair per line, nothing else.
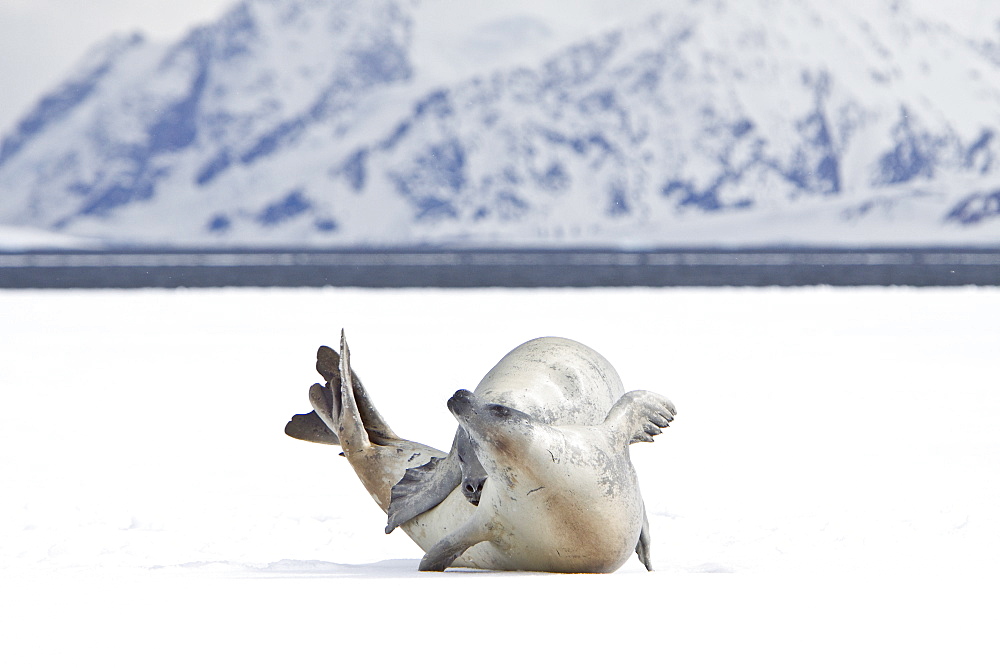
422, 488
639, 416
645, 544
451, 547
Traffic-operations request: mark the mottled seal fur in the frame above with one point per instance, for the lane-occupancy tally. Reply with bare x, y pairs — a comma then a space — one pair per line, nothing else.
561, 492
556, 380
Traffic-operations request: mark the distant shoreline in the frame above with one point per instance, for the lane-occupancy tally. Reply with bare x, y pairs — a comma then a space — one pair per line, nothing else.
515, 268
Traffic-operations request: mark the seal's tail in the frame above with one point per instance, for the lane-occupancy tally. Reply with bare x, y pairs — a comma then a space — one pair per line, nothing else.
322, 424
343, 414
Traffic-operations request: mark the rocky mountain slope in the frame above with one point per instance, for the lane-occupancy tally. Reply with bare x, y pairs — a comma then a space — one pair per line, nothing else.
312, 122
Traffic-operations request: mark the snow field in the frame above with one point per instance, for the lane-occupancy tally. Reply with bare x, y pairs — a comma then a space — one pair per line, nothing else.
836, 448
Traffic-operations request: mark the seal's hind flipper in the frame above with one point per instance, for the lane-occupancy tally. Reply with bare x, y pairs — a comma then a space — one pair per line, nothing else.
328, 365
352, 432
309, 427
645, 544
639, 416
422, 488
451, 547
326, 406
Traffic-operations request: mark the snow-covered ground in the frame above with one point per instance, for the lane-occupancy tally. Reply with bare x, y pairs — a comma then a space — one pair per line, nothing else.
836, 449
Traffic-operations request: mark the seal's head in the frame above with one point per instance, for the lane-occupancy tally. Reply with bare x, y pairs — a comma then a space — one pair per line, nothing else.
501, 427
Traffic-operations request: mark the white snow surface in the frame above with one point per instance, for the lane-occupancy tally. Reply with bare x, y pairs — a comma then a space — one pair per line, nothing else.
836, 453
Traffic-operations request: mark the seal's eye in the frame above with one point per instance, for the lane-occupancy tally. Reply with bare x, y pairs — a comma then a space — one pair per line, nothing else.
500, 411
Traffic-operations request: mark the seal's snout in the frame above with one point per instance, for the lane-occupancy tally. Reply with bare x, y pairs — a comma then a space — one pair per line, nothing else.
460, 400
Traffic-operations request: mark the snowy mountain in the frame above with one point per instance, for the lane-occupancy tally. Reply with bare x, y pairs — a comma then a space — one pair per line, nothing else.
320, 122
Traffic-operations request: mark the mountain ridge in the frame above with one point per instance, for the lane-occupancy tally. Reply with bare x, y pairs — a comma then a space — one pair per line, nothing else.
298, 122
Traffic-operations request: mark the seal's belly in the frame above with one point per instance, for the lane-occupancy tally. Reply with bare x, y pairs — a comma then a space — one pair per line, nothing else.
567, 530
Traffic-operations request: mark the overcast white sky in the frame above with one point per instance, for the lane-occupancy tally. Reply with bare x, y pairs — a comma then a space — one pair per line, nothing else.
41, 39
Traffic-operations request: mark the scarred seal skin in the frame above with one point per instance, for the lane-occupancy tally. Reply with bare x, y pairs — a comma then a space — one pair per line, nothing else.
550, 428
